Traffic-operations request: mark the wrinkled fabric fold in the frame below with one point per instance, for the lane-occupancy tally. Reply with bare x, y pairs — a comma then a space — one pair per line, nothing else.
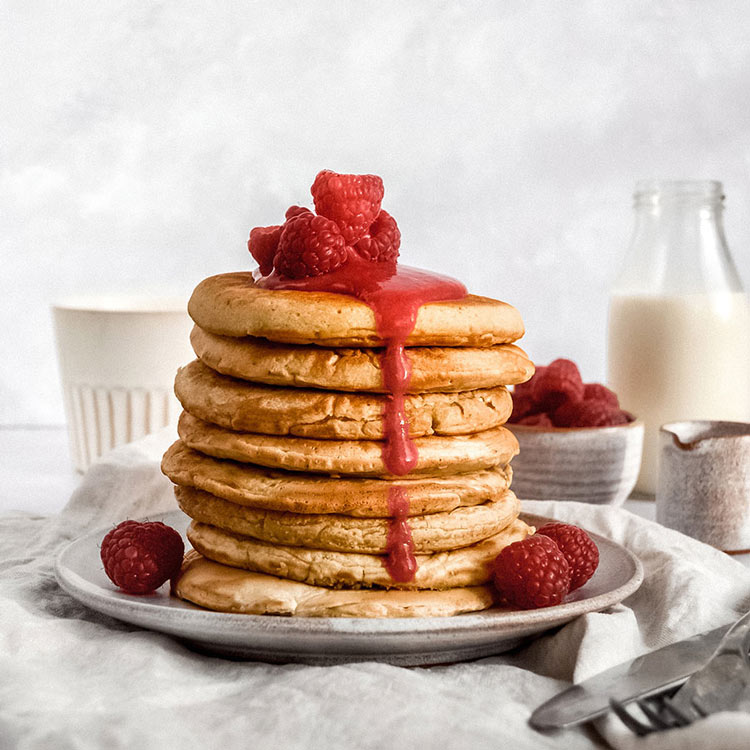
74, 678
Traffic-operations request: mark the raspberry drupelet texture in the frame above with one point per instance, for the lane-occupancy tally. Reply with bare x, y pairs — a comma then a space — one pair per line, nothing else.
293, 211
349, 223
140, 557
263, 244
382, 241
578, 548
309, 245
532, 573
351, 200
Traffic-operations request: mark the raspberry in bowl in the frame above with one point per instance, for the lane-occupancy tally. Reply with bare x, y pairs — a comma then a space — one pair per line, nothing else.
576, 443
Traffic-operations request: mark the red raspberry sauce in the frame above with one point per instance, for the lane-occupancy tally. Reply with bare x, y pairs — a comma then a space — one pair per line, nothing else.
395, 294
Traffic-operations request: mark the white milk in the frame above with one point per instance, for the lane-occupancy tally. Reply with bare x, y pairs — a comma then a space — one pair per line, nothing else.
679, 357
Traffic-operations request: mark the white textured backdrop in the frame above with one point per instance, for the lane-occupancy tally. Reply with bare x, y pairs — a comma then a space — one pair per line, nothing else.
139, 142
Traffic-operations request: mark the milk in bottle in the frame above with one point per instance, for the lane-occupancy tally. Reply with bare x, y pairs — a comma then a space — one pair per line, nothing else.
679, 326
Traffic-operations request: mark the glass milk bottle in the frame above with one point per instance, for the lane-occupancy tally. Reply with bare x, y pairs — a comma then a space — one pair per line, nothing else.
679, 326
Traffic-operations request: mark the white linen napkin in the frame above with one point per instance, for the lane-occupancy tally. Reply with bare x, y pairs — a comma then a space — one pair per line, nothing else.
72, 678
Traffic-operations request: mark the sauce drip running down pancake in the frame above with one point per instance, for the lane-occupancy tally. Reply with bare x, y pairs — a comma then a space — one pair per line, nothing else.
395, 294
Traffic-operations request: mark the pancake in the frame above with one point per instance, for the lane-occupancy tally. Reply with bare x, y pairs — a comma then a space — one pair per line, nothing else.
437, 455
436, 532
257, 487
232, 304
225, 589
240, 405
433, 368
468, 566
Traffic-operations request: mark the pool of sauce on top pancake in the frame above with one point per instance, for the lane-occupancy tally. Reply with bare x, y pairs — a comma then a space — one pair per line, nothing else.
395, 294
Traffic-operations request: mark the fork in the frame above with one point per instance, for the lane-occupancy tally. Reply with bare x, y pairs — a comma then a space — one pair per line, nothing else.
723, 684
659, 711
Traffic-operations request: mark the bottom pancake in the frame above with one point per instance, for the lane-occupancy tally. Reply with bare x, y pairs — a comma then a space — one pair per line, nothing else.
468, 566
225, 589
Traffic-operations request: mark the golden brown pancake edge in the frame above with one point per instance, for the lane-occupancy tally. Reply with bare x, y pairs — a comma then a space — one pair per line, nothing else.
232, 304
295, 492
225, 589
313, 413
468, 566
435, 532
443, 369
437, 455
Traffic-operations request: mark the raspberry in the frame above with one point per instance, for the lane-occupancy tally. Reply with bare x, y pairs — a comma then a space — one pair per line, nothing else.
589, 414
559, 382
382, 241
619, 416
527, 388
293, 211
567, 414
599, 392
351, 200
524, 402
523, 405
139, 557
310, 245
536, 420
262, 245
532, 573
578, 548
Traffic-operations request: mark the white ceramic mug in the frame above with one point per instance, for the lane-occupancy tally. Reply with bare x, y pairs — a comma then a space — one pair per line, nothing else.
703, 486
118, 357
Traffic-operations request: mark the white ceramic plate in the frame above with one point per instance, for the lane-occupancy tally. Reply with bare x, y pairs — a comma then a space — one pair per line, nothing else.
331, 640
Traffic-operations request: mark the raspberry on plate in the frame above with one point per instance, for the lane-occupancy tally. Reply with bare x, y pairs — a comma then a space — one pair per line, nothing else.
578, 548
309, 245
140, 557
382, 241
532, 573
351, 200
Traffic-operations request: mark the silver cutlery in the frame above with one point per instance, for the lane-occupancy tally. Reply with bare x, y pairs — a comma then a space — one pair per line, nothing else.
650, 674
723, 684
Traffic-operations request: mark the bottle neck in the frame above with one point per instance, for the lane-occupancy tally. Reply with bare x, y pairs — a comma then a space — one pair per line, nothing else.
678, 244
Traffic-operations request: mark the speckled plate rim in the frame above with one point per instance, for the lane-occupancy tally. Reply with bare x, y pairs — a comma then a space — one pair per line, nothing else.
338, 639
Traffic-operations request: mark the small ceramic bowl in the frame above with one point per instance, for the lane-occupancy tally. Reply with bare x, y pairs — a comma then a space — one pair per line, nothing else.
597, 465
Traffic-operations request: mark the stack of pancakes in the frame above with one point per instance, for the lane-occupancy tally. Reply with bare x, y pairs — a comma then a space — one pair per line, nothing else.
279, 461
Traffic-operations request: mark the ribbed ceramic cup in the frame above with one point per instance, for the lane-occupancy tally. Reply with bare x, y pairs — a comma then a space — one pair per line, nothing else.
596, 465
118, 357
703, 487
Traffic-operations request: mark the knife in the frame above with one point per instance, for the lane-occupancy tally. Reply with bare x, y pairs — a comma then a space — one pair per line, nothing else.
651, 673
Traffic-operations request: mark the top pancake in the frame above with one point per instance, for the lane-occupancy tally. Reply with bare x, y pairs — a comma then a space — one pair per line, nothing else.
232, 304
